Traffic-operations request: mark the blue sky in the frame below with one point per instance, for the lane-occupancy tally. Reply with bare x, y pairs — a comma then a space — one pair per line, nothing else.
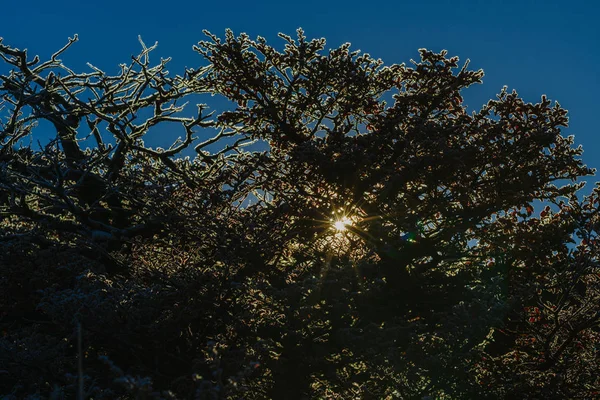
539, 47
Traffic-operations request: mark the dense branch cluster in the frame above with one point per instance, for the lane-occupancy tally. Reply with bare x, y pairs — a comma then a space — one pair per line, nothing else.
465, 265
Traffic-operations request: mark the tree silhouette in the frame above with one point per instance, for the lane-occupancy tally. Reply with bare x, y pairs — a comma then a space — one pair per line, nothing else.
375, 240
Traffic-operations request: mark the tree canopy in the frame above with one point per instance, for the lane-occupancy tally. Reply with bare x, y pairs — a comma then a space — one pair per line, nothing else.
345, 230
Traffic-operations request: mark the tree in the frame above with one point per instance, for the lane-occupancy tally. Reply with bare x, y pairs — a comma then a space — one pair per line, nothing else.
440, 282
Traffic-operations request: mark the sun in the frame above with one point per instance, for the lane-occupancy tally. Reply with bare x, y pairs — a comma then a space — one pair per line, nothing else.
341, 224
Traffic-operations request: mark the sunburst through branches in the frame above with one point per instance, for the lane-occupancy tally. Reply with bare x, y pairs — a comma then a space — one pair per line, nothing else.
341, 224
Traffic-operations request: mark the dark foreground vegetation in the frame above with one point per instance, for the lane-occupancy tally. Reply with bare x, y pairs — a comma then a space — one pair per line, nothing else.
463, 266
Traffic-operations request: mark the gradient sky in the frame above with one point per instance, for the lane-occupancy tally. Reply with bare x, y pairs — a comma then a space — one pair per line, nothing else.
538, 47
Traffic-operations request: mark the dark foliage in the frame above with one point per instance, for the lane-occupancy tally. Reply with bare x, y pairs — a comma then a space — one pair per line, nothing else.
130, 272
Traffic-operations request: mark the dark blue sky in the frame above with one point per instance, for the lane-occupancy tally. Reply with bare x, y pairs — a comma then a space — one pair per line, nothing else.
539, 47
